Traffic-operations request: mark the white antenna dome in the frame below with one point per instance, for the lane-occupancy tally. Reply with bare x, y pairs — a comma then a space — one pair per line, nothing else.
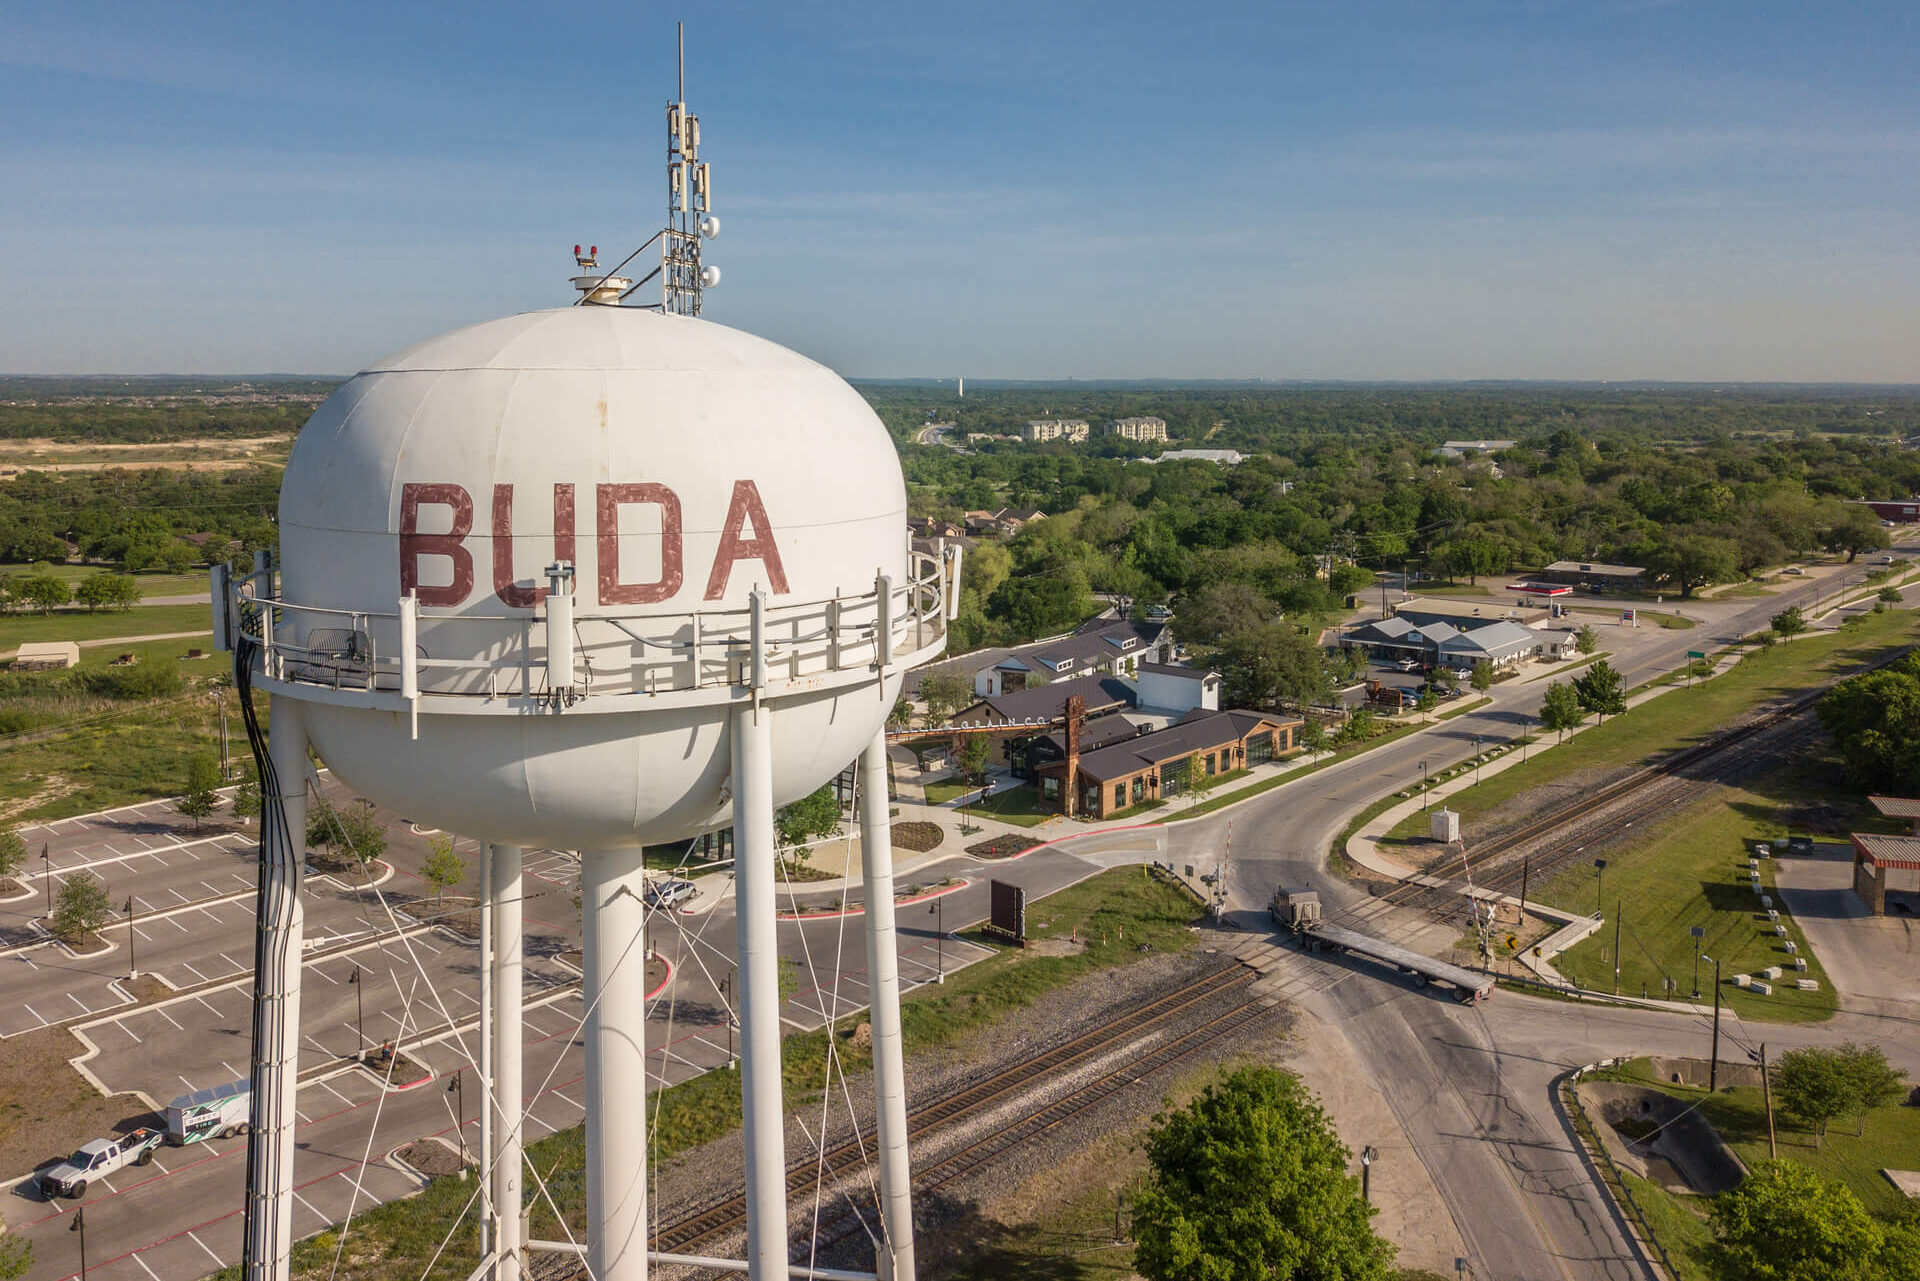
710, 227
709, 276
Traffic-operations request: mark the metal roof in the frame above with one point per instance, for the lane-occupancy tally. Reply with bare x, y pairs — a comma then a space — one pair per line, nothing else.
1896, 806
1889, 851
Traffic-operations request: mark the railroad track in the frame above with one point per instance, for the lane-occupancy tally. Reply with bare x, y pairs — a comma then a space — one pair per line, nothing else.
729, 1215
1490, 864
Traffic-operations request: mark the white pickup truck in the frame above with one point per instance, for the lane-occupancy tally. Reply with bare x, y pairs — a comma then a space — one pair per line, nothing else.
98, 1159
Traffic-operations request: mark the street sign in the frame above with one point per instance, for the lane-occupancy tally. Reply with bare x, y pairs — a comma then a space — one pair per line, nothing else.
1698, 931
1513, 942
1696, 653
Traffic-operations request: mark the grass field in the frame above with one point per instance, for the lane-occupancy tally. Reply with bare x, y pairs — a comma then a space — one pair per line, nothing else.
399, 1239
1890, 1140
1691, 871
142, 620
1687, 716
150, 584
1021, 806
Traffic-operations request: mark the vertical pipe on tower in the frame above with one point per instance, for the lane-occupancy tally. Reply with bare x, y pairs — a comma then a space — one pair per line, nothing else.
276, 995
883, 975
488, 1064
613, 955
754, 870
504, 907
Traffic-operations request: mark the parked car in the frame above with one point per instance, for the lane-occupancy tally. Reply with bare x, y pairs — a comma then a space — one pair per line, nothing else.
1407, 665
1441, 691
1795, 570
665, 894
96, 1160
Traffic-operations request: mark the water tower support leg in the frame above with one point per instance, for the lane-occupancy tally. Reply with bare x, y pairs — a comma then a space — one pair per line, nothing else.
276, 996
614, 957
754, 871
503, 906
889, 1060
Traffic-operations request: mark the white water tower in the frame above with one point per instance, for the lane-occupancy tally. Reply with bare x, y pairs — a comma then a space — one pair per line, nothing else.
589, 578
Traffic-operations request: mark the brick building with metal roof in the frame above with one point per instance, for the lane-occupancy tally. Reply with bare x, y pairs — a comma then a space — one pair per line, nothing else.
1100, 783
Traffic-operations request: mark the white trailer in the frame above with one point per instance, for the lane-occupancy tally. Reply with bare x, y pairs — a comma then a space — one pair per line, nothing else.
213, 1113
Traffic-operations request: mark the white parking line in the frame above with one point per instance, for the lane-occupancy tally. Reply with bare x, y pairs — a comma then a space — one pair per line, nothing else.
230, 961
214, 1008
196, 973
229, 1067
189, 1084
156, 1161
316, 970
77, 1001
175, 922
177, 894
143, 934
121, 1024
303, 1201
336, 1094
36, 1014
558, 1095
143, 1266
218, 1261
168, 1017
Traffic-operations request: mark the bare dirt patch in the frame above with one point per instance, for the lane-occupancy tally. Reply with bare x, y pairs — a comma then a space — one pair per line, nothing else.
46, 1108
1056, 947
146, 989
919, 837
431, 1157
1003, 846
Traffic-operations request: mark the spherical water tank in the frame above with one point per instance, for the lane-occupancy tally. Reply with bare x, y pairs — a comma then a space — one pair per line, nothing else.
678, 466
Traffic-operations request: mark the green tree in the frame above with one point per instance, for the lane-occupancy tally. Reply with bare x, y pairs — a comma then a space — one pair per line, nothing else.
1273, 662
246, 798
13, 851
945, 690
353, 832
1871, 1081
101, 591
1425, 702
1560, 710
1586, 640
975, 751
16, 1256
1474, 555
1601, 690
1889, 595
1314, 738
1360, 727
202, 795
902, 714
1790, 621
1813, 1086
81, 907
1786, 1223
808, 819
1687, 561
1483, 676
1195, 779
444, 868
1854, 530
1249, 1182
45, 592
1875, 721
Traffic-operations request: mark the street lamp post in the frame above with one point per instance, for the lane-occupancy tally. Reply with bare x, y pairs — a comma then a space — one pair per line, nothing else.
1713, 1061
1366, 1173
46, 859
79, 1225
1599, 884
1476, 760
1699, 932
359, 1012
726, 1000
133, 968
1424, 799
939, 912
457, 1087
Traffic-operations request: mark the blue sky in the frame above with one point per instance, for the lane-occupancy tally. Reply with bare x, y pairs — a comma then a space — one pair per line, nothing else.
1396, 190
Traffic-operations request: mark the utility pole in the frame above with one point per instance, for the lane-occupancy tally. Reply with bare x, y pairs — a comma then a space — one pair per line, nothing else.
79, 1225
1366, 1173
1616, 946
359, 1011
940, 940
133, 968
46, 860
1766, 1091
1526, 870
1699, 932
1713, 1066
457, 1087
1599, 884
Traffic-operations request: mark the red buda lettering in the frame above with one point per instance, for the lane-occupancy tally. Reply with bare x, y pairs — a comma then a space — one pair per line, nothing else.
746, 534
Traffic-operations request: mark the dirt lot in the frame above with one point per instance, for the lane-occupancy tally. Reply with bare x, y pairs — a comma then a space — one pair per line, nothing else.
44, 1102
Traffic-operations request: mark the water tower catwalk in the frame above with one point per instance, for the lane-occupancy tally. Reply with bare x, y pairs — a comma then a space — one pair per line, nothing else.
590, 578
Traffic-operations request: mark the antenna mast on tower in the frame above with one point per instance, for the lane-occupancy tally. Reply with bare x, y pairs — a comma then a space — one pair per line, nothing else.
689, 207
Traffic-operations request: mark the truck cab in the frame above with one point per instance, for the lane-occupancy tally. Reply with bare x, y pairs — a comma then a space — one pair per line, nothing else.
96, 1160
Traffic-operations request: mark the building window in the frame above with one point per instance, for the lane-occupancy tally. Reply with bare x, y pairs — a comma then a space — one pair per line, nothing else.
1119, 795
1260, 748
1139, 790
1210, 765
1050, 788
